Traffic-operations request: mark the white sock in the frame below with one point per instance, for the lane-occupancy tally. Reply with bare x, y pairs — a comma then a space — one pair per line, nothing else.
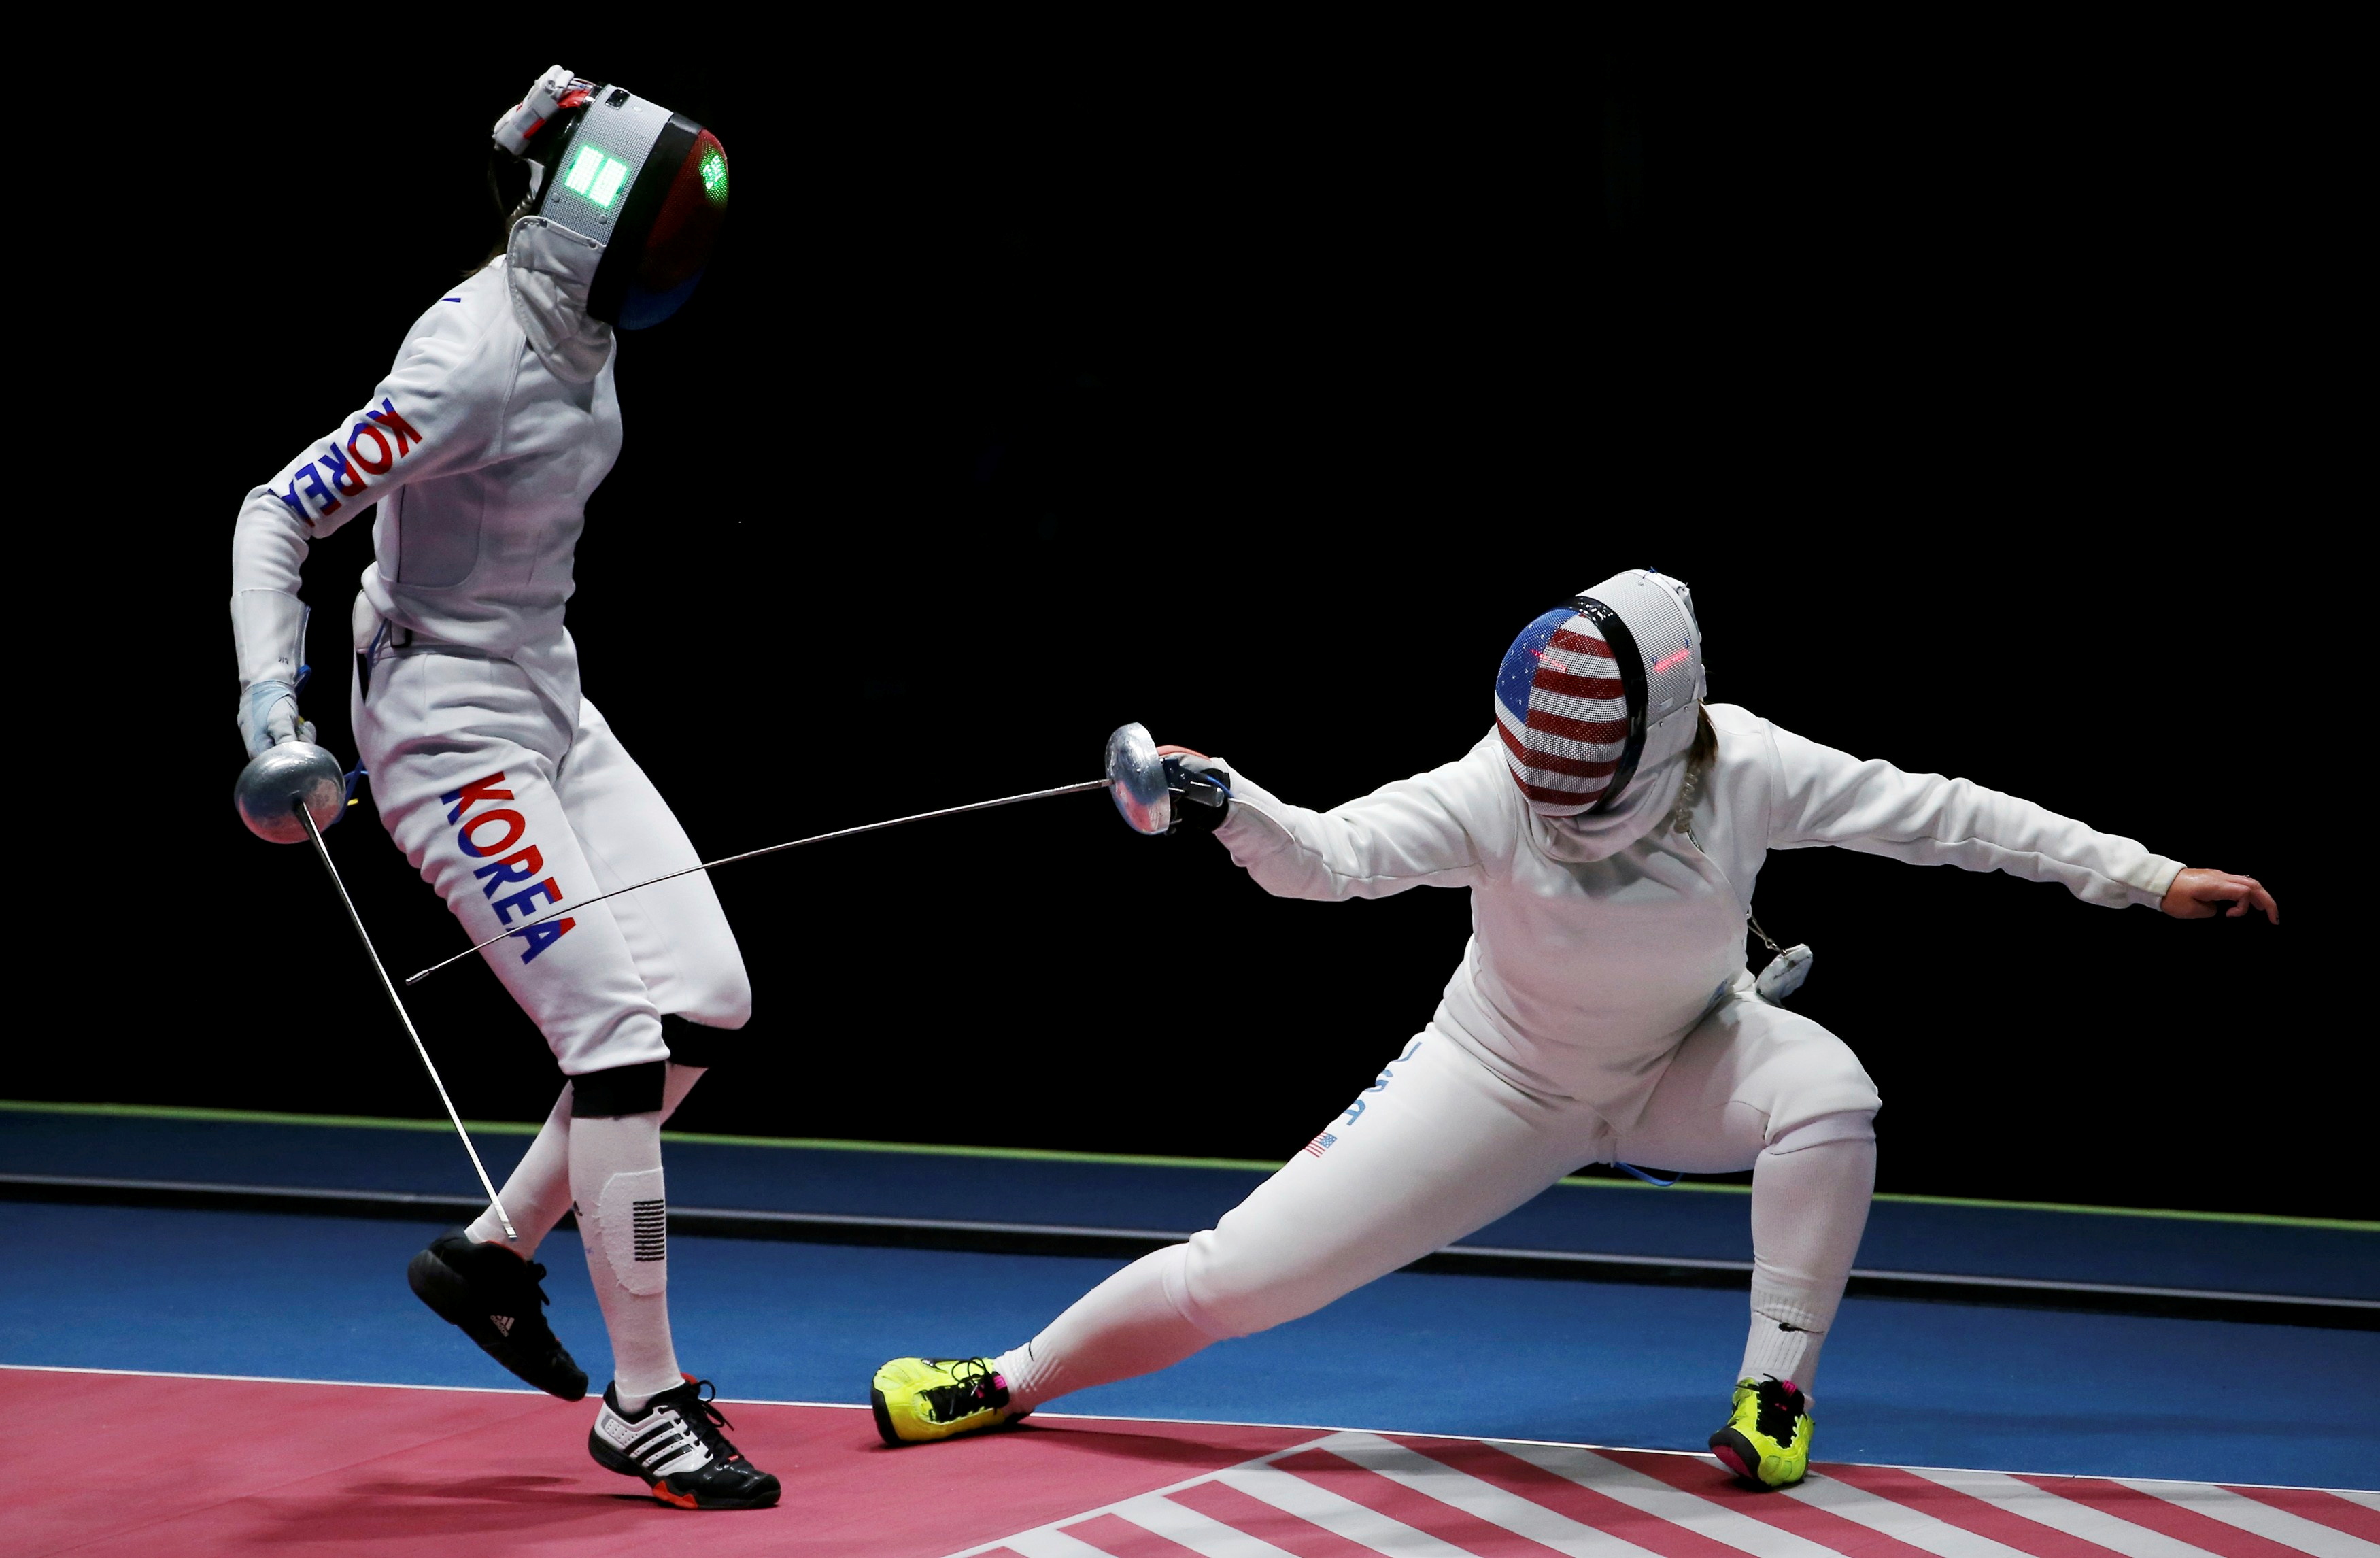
1131, 1324
539, 1191
615, 1185
1810, 1194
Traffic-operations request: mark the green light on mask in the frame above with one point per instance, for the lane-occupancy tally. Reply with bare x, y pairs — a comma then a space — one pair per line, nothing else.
595, 176
607, 183
583, 169
714, 177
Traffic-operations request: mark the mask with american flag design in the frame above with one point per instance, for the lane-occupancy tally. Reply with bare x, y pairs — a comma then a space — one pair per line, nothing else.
1595, 695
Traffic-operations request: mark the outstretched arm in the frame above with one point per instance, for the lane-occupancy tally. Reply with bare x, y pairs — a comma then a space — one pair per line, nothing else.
1414, 832
1824, 796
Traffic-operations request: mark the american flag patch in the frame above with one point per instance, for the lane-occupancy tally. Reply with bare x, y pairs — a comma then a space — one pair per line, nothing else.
1321, 1144
1563, 713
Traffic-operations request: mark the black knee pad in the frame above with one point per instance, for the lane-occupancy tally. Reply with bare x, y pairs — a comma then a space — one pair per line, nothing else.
623, 1089
691, 1044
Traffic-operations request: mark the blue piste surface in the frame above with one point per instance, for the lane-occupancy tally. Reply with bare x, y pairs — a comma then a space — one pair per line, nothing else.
1941, 1384
1604, 1217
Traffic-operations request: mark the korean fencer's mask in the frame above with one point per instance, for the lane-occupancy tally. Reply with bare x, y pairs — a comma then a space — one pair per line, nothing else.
648, 187
1598, 699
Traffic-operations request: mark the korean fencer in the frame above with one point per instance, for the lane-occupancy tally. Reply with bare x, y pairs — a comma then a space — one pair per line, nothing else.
499, 780
1610, 829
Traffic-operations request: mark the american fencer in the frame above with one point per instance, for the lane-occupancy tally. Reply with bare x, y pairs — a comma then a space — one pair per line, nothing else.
1610, 829
500, 783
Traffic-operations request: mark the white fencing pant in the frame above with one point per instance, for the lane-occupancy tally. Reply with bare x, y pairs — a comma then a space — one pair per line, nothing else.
1442, 1146
510, 811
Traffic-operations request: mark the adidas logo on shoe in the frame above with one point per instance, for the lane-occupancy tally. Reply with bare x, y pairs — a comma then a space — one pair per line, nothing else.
463, 1282
674, 1444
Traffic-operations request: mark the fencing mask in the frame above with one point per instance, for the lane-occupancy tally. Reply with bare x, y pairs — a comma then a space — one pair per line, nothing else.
647, 185
1593, 694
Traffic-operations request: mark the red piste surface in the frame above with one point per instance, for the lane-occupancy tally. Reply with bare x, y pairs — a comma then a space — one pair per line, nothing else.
168, 1465
178, 1467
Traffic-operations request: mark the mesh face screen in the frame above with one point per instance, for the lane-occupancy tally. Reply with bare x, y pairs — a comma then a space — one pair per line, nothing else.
686, 227
1561, 709
651, 188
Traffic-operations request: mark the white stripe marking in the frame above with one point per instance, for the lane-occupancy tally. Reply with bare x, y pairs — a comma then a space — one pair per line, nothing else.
1483, 1500
1199, 1533
1341, 1516
2259, 1518
2061, 1513
1077, 1517
2355, 1496
1650, 1495
1046, 1544
1898, 1521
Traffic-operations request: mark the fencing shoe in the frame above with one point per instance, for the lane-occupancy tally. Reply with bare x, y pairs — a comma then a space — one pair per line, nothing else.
497, 1298
918, 1399
675, 1445
1766, 1440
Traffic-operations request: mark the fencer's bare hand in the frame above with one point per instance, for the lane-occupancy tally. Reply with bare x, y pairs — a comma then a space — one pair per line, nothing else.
2200, 894
1181, 752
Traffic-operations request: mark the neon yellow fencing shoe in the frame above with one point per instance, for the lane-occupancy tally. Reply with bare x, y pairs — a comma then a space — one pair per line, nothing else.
918, 1399
1766, 1440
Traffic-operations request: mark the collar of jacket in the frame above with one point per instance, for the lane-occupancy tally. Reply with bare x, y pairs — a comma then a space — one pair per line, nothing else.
1600, 835
548, 268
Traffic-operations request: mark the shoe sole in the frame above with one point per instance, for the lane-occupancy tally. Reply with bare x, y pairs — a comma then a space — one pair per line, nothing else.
448, 1296
1736, 1454
884, 1419
612, 1460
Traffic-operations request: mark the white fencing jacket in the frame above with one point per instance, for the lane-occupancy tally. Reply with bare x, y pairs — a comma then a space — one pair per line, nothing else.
1583, 975
481, 447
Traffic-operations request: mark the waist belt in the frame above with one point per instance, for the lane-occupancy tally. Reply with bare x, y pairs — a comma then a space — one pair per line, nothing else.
391, 638
391, 641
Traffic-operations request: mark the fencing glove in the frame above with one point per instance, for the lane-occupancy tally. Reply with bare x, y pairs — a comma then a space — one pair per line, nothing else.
1202, 794
268, 629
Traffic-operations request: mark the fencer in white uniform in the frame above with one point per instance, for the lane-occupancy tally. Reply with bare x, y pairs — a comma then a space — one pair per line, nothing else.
1611, 830
499, 780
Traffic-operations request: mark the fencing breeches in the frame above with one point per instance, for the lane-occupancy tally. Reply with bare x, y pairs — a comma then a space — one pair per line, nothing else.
510, 811
1442, 1146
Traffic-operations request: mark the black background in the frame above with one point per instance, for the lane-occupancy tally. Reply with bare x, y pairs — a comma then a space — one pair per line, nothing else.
1260, 390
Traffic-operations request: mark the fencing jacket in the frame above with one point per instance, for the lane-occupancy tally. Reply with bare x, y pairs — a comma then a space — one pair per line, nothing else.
1584, 974
480, 448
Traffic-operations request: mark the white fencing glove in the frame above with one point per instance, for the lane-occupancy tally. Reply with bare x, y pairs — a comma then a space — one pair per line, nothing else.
268, 628
267, 716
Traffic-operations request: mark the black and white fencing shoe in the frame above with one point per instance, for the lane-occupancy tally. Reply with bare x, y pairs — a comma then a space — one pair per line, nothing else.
497, 1298
675, 1445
